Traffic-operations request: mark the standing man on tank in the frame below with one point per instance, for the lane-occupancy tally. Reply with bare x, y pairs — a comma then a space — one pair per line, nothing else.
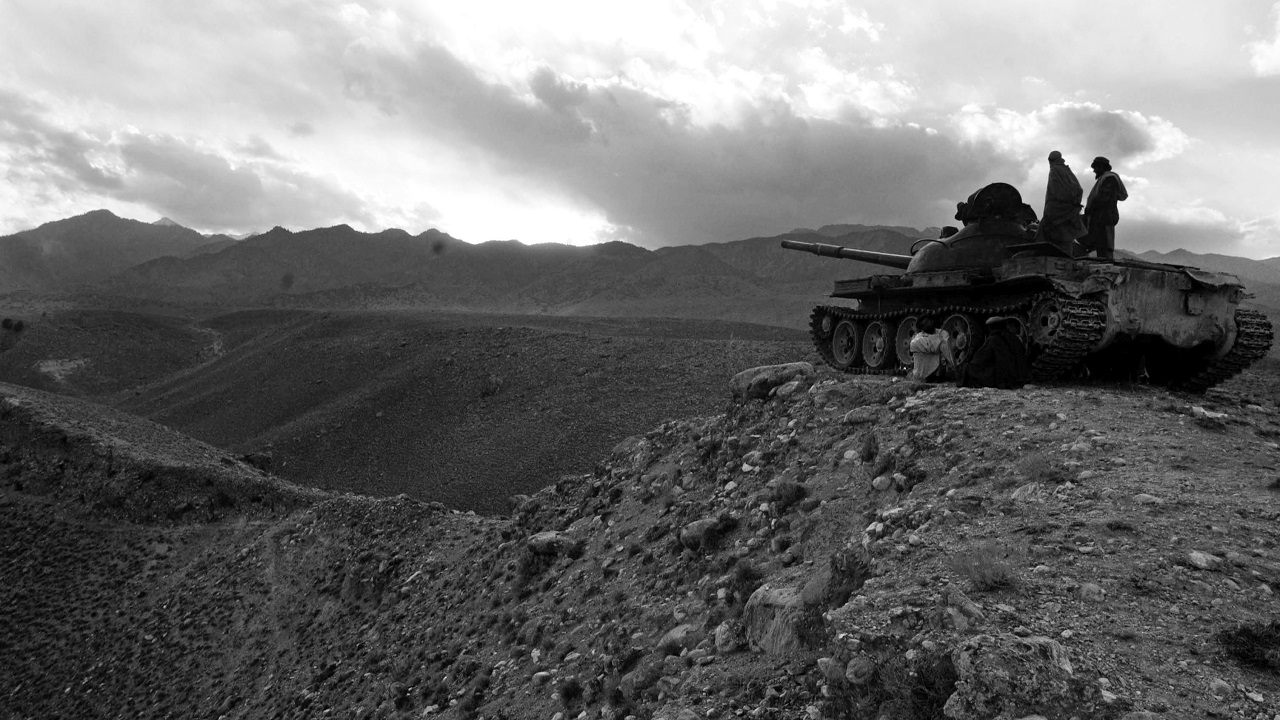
1100, 212
1061, 223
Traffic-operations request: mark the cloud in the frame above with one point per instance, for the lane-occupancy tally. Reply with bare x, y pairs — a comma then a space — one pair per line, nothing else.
34, 149
300, 129
187, 180
1082, 129
661, 177
1197, 228
257, 147
1264, 55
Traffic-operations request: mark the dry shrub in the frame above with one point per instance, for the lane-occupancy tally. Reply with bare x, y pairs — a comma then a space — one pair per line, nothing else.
491, 385
1043, 468
570, 690
787, 493
990, 565
1254, 644
899, 688
747, 578
870, 447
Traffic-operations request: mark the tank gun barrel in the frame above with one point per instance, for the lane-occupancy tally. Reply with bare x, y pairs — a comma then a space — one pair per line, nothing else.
847, 253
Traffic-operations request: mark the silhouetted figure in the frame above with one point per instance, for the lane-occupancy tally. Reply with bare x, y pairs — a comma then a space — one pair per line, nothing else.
930, 349
1062, 223
1001, 362
1101, 213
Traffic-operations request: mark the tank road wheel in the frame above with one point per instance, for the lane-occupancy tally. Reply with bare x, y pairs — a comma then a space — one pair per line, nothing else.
846, 345
965, 336
906, 328
877, 345
1045, 321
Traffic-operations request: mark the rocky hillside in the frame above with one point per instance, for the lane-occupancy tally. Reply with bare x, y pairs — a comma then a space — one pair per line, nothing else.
840, 547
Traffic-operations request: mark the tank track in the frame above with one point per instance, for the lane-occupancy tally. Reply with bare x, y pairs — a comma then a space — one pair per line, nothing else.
1253, 341
1082, 323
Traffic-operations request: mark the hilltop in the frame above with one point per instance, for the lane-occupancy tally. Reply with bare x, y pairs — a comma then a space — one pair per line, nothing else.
88, 248
840, 547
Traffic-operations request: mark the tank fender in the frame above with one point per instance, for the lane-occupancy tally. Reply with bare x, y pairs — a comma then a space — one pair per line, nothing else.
1211, 279
1203, 279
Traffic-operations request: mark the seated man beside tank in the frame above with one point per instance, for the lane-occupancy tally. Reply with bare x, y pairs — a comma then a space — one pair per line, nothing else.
1001, 362
930, 352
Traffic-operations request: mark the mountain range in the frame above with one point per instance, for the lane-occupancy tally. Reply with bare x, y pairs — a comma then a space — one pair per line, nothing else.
751, 279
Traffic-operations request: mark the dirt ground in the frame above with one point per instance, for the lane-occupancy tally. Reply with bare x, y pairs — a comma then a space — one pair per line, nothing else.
1125, 529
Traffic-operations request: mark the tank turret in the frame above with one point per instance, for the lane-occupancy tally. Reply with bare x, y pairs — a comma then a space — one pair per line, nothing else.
1181, 326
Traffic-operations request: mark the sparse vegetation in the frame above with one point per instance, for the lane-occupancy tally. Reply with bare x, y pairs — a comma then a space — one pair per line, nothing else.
1043, 468
990, 565
1254, 644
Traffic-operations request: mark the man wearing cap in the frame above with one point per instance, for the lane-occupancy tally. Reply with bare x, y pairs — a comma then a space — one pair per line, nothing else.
1100, 211
1061, 223
1001, 362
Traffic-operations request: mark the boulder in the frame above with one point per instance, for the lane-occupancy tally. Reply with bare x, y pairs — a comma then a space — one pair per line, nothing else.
758, 382
699, 534
1204, 560
1010, 676
642, 678
549, 542
680, 637
778, 621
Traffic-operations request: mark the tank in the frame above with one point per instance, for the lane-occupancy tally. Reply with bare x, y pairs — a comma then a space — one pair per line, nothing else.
1080, 317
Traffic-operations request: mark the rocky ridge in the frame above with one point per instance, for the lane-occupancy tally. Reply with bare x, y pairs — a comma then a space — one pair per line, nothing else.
826, 547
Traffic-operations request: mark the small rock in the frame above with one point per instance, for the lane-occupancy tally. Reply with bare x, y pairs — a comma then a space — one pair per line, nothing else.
1200, 412
861, 416
1145, 499
882, 483
1220, 687
758, 382
541, 677
1204, 560
786, 390
831, 669
728, 637
860, 670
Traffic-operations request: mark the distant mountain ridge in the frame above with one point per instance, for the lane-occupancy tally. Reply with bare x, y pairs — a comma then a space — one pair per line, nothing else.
750, 280
88, 248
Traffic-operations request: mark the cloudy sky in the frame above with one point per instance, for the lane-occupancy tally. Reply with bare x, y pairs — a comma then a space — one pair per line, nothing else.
656, 122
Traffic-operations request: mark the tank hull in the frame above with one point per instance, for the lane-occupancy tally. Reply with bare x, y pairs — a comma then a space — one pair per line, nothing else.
1179, 326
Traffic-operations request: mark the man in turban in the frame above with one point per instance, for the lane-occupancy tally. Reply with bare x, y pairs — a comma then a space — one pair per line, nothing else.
1101, 212
1061, 223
